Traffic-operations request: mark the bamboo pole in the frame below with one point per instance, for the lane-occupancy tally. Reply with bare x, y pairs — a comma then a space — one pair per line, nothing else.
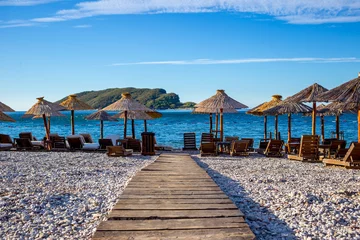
133, 128
72, 122
276, 127
314, 119
125, 124
46, 128
337, 121
217, 124
145, 126
211, 123
289, 127
265, 127
221, 125
322, 128
101, 129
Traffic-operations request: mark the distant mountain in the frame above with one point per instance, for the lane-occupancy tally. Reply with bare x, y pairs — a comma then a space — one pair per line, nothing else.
156, 98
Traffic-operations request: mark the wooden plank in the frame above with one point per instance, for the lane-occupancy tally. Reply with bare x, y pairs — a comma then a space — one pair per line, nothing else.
196, 234
171, 192
176, 206
179, 196
178, 201
172, 184
172, 224
134, 214
165, 188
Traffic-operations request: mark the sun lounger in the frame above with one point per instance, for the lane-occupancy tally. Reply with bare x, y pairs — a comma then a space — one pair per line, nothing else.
105, 142
207, 138
25, 144
263, 145
87, 137
77, 142
335, 146
6, 142
134, 144
189, 141
57, 142
309, 149
250, 145
239, 148
273, 149
208, 149
118, 151
293, 145
350, 160
231, 139
33, 139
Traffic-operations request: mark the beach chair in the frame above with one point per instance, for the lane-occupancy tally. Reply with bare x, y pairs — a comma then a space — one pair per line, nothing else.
231, 138
292, 145
77, 142
207, 138
105, 142
118, 151
134, 144
274, 148
263, 145
250, 143
87, 137
57, 142
6, 142
335, 146
189, 141
239, 148
208, 149
351, 159
25, 144
309, 149
27, 135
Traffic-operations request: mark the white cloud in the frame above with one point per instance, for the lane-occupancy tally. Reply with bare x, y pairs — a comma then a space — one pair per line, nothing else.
291, 11
242, 61
24, 2
83, 26
14, 25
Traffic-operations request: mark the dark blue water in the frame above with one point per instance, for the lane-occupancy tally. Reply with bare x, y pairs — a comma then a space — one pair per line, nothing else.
170, 128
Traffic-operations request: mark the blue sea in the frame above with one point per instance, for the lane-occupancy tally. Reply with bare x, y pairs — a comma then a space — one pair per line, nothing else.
170, 128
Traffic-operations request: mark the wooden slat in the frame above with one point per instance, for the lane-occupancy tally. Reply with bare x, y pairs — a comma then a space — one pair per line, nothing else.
178, 201
163, 196
175, 206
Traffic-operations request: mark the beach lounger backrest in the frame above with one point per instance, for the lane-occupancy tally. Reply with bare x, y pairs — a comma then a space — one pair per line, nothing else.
239, 146
27, 135
189, 141
5, 139
134, 144
327, 141
353, 154
294, 140
250, 142
230, 139
336, 144
309, 147
105, 142
23, 143
87, 137
207, 138
264, 143
274, 147
75, 141
208, 148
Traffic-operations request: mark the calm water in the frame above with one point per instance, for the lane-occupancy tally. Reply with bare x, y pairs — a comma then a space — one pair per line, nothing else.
170, 128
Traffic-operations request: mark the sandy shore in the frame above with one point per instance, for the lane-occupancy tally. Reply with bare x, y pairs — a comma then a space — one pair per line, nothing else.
285, 199
60, 195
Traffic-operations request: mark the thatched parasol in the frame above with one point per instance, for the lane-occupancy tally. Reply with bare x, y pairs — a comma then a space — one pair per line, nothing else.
286, 107
347, 93
309, 94
259, 111
102, 116
219, 103
72, 104
43, 109
127, 104
5, 108
6, 118
138, 115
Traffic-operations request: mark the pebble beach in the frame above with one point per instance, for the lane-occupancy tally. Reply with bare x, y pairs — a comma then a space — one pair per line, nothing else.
284, 199
58, 195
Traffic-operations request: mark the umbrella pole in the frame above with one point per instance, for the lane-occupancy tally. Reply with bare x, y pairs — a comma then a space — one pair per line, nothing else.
125, 124
72, 122
337, 121
211, 123
322, 128
145, 126
289, 127
217, 123
314, 119
101, 129
133, 128
46, 127
265, 127
276, 127
221, 125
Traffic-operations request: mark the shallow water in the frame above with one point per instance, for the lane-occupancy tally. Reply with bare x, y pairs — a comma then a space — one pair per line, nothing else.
170, 128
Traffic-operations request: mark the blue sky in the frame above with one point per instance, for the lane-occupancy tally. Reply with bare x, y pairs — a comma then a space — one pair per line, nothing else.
252, 49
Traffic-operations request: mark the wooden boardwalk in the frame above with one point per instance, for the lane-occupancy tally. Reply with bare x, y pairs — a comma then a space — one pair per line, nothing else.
174, 198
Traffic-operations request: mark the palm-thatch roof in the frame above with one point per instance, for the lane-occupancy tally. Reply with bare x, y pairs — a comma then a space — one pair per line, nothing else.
5, 108
286, 107
53, 106
100, 115
348, 92
127, 103
73, 103
219, 101
309, 94
6, 118
259, 110
335, 108
43, 107
138, 115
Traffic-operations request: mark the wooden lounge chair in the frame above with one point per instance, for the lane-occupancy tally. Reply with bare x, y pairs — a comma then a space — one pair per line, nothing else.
27, 135
6, 142
77, 142
134, 144
57, 142
335, 145
309, 149
239, 148
105, 142
263, 145
208, 149
231, 139
87, 137
351, 159
189, 141
25, 144
274, 148
250, 143
207, 138
118, 151
292, 145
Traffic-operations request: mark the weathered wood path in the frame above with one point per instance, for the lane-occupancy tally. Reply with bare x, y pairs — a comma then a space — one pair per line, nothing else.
174, 198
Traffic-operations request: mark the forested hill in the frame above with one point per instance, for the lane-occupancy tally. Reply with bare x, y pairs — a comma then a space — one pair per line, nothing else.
153, 98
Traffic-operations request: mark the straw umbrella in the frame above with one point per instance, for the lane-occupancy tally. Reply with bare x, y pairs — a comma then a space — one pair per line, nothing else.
5, 108
72, 104
259, 111
6, 118
138, 115
102, 116
289, 108
348, 93
43, 109
309, 94
127, 104
219, 103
